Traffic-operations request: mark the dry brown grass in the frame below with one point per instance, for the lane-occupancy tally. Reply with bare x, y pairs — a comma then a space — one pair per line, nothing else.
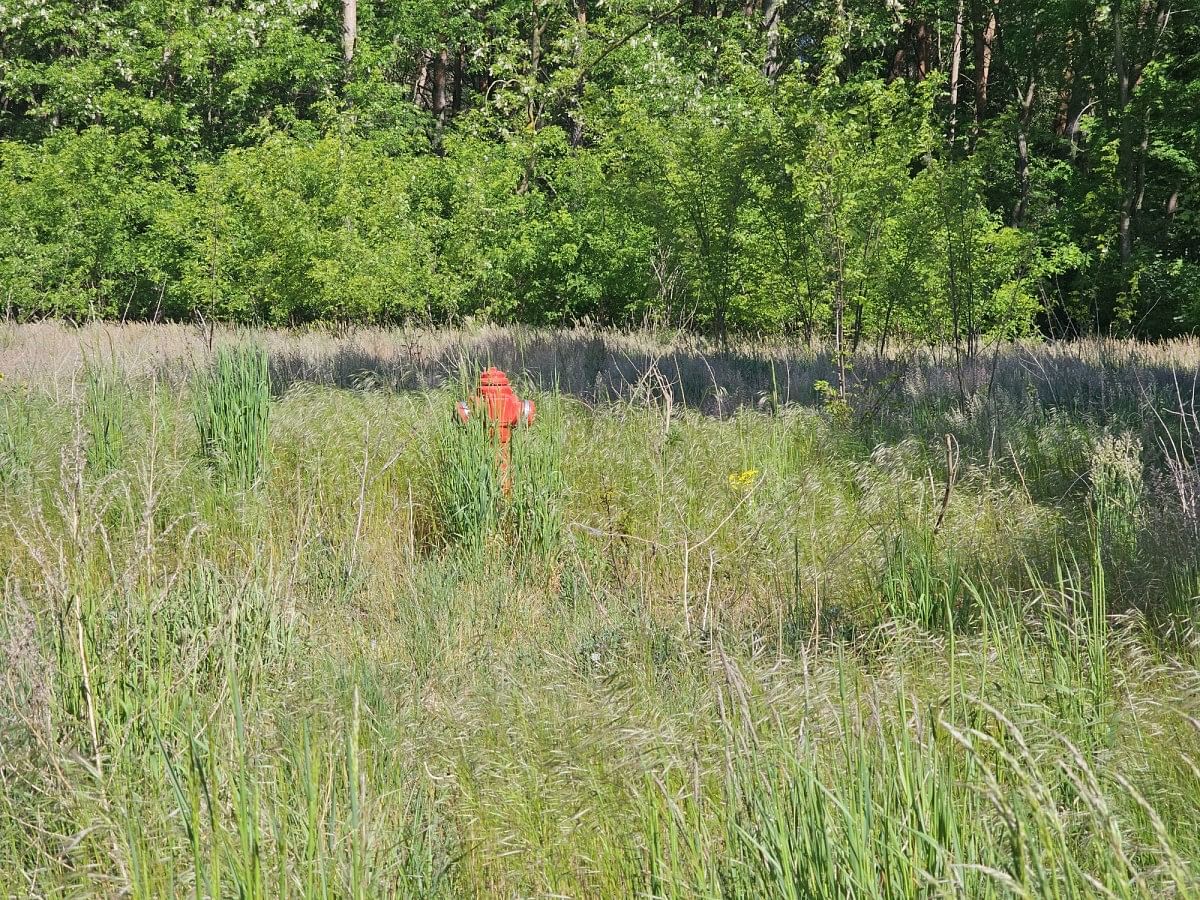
597, 364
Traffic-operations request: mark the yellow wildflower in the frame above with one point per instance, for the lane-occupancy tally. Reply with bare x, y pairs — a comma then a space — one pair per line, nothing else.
741, 481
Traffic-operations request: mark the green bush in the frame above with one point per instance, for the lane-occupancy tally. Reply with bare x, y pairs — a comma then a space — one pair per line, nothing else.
290, 232
75, 217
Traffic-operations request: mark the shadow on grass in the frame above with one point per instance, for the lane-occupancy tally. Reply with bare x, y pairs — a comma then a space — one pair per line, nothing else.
1093, 378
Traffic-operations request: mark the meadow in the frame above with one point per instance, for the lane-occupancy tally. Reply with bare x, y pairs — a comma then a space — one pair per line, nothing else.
270, 627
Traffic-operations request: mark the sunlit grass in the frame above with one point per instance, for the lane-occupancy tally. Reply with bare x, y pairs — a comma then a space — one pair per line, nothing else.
774, 654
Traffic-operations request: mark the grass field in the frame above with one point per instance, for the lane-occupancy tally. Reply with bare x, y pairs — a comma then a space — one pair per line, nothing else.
269, 627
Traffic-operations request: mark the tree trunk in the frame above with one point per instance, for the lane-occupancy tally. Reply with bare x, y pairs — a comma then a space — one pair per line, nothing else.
422, 79
456, 98
1143, 151
881, 347
349, 29
913, 54
1124, 147
985, 40
1067, 104
839, 309
533, 107
576, 115
1134, 143
440, 98
839, 339
439, 102
922, 45
1172, 204
772, 63
955, 66
1025, 101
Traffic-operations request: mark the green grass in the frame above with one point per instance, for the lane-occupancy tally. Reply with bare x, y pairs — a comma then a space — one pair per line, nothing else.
232, 402
378, 675
104, 403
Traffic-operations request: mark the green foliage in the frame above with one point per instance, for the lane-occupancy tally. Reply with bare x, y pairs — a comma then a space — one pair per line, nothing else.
232, 401
292, 232
753, 167
76, 210
833, 402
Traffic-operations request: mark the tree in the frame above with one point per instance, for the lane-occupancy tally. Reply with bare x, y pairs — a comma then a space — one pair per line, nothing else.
827, 168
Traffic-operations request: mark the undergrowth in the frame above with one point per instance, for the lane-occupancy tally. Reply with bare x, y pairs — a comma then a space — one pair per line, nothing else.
785, 654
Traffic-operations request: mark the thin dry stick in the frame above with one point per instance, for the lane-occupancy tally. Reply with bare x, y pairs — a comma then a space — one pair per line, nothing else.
951, 477
87, 688
362, 496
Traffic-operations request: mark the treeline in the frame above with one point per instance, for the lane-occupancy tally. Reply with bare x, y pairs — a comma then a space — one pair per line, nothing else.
927, 171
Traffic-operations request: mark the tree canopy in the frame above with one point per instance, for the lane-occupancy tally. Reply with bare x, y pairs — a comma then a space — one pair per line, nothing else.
922, 170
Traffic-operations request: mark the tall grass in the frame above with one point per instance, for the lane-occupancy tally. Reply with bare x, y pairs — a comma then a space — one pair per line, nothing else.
104, 404
232, 404
467, 482
1116, 476
15, 435
536, 516
684, 657
471, 498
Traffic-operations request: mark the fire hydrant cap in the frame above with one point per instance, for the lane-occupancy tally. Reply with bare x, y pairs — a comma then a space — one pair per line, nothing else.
492, 377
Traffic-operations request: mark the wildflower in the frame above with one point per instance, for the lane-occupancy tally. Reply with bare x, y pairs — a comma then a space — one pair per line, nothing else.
741, 481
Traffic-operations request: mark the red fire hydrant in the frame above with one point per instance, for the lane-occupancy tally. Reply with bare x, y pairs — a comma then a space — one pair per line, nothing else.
502, 411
